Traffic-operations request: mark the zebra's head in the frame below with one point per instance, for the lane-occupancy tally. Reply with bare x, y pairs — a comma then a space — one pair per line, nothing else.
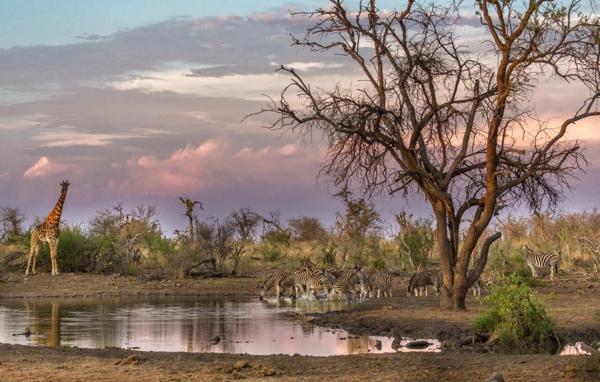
526, 249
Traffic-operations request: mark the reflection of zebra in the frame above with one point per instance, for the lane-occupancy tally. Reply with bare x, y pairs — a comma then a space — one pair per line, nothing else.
540, 260
420, 280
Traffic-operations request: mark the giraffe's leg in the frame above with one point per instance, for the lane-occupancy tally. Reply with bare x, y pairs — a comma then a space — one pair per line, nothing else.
35, 255
32, 249
53, 254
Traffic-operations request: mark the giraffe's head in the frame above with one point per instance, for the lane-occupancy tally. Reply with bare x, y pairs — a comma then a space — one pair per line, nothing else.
64, 185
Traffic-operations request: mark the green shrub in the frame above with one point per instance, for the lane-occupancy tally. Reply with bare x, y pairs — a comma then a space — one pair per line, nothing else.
379, 264
75, 252
516, 319
271, 253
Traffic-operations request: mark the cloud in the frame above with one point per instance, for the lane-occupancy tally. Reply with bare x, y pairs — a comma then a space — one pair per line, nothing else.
44, 167
65, 136
219, 163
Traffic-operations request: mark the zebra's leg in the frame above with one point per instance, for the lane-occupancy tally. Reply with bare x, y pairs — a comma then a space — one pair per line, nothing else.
426, 290
390, 292
533, 271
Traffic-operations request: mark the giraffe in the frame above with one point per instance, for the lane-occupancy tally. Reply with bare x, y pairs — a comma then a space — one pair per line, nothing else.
48, 231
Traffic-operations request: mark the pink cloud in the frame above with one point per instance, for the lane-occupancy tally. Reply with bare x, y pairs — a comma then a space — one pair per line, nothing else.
218, 164
44, 167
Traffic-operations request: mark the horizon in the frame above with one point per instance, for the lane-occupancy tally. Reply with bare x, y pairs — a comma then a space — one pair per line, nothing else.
140, 103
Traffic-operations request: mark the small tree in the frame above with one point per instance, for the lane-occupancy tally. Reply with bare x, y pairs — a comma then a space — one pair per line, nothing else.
11, 221
359, 223
430, 117
307, 228
414, 239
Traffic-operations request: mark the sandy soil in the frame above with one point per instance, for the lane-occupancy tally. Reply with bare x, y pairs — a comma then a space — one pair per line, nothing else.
574, 301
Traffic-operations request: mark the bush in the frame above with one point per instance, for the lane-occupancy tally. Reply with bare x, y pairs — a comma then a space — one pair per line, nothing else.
75, 252
379, 264
516, 319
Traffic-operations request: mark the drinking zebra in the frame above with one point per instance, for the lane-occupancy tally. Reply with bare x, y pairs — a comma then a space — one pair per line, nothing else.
274, 280
346, 283
540, 260
420, 280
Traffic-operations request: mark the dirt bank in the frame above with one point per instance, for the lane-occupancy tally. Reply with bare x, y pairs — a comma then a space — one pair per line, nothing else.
20, 363
16, 285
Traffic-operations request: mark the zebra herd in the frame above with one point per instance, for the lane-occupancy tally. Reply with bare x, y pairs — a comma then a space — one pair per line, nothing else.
312, 282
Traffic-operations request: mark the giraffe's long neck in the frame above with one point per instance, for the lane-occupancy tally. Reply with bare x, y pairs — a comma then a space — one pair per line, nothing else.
54, 215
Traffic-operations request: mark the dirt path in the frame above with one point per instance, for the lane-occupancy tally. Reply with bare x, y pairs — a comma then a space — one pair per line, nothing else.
573, 301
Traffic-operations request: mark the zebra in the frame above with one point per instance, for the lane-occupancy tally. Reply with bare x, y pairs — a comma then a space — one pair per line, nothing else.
273, 280
381, 282
476, 285
541, 260
306, 280
364, 284
420, 280
346, 282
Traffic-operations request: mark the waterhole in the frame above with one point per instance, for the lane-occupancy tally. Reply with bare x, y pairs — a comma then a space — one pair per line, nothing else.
184, 324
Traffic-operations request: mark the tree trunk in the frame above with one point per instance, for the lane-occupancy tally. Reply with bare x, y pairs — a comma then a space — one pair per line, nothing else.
454, 299
191, 229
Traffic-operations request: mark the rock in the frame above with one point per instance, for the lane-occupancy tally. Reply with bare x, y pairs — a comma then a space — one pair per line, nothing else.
215, 340
239, 365
580, 348
417, 344
227, 369
496, 377
131, 360
26, 333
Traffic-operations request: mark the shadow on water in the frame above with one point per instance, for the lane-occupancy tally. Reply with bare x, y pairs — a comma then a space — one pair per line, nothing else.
182, 324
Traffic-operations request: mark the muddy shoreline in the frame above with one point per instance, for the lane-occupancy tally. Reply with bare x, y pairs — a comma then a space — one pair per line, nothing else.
576, 309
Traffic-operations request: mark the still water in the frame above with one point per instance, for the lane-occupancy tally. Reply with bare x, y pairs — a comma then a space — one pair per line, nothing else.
182, 324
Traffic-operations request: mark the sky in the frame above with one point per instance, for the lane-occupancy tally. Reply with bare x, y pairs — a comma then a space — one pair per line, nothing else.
141, 101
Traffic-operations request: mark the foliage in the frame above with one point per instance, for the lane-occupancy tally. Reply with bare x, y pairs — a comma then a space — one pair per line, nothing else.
414, 239
11, 224
307, 228
516, 319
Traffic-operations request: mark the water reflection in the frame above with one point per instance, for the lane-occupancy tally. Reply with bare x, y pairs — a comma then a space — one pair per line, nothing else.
181, 324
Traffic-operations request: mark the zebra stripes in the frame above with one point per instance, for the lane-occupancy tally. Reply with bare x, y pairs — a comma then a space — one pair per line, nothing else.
381, 283
419, 282
536, 260
310, 281
476, 285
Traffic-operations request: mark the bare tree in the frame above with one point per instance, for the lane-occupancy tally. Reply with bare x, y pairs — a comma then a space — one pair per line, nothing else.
189, 212
12, 223
453, 126
245, 222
